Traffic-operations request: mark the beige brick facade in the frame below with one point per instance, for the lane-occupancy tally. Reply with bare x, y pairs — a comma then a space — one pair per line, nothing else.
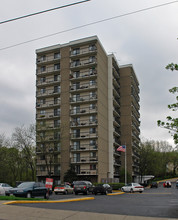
84, 111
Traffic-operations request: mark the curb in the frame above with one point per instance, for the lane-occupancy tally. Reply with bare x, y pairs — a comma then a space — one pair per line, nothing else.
54, 201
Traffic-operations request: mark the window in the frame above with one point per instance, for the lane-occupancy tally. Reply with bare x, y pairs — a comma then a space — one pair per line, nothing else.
92, 130
56, 123
57, 147
76, 145
42, 123
57, 66
57, 89
92, 118
77, 121
42, 101
42, 112
43, 90
77, 157
57, 112
92, 59
76, 109
42, 168
76, 62
76, 133
92, 106
93, 154
57, 135
92, 47
76, 51
76, 85
92, 82
76, 97
92, 142
92, 94
43, 79
56, 100
92, 166
77, 169
56, 77
76, 74
57, 55
43, 58
43, 68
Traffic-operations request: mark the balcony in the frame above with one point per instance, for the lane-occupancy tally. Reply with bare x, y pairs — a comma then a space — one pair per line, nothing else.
47, 93
47, 115
83, 123
79, 52
83, 87
48, 59
48, 82
83, 135
47, 70
48, 104
83, 99
117, 163
82, 160
83, 147
83, 111
83, 63
87, 172
83, 75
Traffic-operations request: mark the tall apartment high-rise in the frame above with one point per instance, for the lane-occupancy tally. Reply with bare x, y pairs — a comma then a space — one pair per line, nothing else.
86, 107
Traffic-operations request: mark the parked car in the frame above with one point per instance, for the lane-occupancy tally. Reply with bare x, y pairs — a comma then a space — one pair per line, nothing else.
154, 185
177, 184
2, 191
65, 189
30, 189
167, 184
132, 187
4, 188
102, 188
84, 187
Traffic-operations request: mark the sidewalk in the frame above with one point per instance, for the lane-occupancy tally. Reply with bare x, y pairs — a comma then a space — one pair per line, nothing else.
12, 212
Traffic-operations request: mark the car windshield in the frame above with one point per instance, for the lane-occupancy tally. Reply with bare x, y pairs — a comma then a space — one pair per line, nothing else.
26, 184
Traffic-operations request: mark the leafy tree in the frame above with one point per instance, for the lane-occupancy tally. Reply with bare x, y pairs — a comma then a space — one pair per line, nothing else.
23, 139
172, 123
70, 175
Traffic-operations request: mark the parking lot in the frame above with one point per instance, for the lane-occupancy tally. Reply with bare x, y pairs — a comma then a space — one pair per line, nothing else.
157, 202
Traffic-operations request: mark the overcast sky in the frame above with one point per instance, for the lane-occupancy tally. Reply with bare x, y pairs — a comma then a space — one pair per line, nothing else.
147, 39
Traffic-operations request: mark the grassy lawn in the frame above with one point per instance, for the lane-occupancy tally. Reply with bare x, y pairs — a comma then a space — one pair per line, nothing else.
11, 198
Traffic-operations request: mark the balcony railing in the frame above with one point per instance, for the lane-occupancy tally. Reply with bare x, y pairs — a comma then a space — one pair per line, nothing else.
47, 115
49, 104
83, 123
83, 74
82, 111
84, 98
48, 82
47, 93
47, 70
81, 63
84, 50
83, 86
83, 147
87, 172
48, 58
84, 160
83, 135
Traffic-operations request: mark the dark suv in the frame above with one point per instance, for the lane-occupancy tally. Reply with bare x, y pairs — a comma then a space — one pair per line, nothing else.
84, 187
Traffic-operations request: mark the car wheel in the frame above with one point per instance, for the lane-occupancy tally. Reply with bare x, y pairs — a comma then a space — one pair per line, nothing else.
122, 189
29, 195
131, 190
46, 196
87, 192
56, 193
140, 191
66, 192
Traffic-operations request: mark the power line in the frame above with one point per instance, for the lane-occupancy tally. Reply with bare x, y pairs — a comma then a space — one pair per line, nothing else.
89, 24
41, 12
